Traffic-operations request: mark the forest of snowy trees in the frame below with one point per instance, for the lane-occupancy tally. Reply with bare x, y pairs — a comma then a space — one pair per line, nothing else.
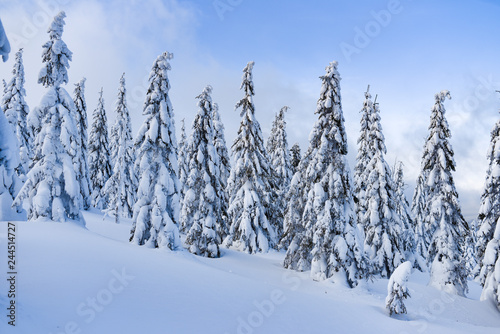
256, 196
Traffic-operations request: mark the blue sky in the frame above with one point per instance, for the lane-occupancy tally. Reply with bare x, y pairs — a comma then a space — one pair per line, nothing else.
419, 49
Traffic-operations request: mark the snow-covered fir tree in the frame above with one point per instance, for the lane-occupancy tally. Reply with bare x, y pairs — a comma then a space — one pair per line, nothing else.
277, 149
381, 221
9, 161
489, 211
52, 189
225, 169
320, 213
183, 171
444, 220
99, 161
490, 269
295, 157
403, 211
363, 157
279, 155
202, 206
81, 160
16, 110
250, 188
419, 211
156, 213
122, 125
397, 289
121, 187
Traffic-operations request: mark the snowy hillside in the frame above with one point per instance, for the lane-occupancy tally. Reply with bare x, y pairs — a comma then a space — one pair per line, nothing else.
75, 279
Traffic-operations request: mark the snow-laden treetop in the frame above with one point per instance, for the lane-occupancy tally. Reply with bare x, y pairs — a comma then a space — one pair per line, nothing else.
247, 86
329, 106
56, 55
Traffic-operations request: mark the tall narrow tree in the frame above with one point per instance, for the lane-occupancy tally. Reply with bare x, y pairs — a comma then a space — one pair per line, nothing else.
183, 171
82, 155
489, 211
404, 213
16, 110
322, 213
203, 204
225, 170
99, 161
251, 193
52, 189
490, 269
363, 157
279, 155
121, 187
156, 213
419, 210
444, 220
383, 227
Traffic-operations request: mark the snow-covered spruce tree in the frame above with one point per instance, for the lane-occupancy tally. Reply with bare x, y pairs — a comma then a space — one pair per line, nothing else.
9, 180
183, 171
156, 213
295, 157
203, 203
445, 221
489, 211
81, 160
99, 161
279, 155
122, 125
363, 157
321, 209
52, 188
121, 187
225, 169
397, 289
4, 44
490, 269
383, 227
16, 110
277, 149
403, 210
419, 210
250, 188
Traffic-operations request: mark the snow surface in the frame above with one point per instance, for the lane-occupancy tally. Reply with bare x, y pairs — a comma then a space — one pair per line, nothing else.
72, 266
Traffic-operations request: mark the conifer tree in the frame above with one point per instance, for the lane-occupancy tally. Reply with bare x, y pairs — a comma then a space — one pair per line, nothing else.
295, 157
490, 269
16, 110
321, 213
250, 188
183, 171
99, 161
418, 208
381, 221
202, 206
121, 187
403, 210
225, 170
82, 155
156, 213
444, 220
489, 211
363, 157
52, 189
397, 289
279, 156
